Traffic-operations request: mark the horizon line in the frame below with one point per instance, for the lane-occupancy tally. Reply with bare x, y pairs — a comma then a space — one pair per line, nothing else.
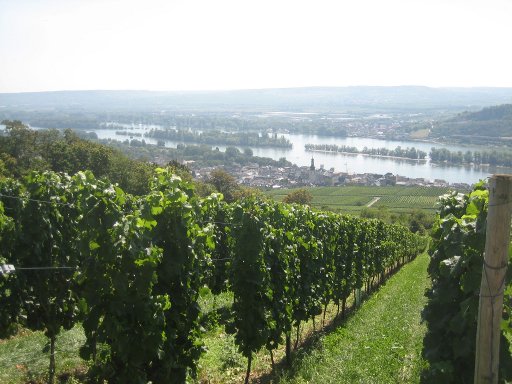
254, 89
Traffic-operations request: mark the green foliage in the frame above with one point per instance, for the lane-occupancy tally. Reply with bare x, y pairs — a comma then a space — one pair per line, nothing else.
417, 221
289, 262
253, 139
136, 268
458, 242
219, 213
45, 236
224, 183
494, 157
177, 230
380, 343
354, 198
139, 264
408, 153
299, 196
117, 284
23, 150
9, 315
248, 280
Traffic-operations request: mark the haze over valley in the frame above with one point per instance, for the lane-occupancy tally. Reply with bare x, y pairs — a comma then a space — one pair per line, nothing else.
451, 119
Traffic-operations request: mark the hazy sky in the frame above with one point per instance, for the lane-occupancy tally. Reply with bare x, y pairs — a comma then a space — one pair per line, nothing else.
233, 44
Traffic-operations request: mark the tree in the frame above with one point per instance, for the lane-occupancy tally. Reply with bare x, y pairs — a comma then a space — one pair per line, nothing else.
232, 152
224, 183
282, 162
299, 196
204, 189
247, 192
21, 144
248, 152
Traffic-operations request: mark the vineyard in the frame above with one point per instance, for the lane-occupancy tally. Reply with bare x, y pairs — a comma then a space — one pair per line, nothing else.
354, 198
130, 270
456, 268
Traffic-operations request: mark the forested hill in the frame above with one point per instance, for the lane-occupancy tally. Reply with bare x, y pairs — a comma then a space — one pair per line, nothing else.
495, 121
499, 112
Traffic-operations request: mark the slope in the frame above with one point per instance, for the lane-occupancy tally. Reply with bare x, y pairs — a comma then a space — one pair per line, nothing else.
381, 343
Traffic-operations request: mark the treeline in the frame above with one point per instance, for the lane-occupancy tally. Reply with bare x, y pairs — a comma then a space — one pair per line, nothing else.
407, 153
217, 137
129, 163
201, 155
23, 150
128, 133
438, 155
182, 120
494, 157
135, 266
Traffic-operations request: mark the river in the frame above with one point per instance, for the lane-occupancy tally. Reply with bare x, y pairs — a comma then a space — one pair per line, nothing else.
356, 163
352, 163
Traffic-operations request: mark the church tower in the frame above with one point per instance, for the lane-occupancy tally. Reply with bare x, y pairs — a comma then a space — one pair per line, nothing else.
312, 167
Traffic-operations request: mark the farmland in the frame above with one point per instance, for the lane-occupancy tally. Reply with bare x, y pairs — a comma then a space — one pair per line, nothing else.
109, 262
25, 356
352, 199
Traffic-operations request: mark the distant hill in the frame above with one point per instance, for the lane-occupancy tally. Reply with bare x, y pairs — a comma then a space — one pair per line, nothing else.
494, 121
498, 112
332, 99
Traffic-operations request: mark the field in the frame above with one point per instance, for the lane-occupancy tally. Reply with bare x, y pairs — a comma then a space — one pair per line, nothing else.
352, 199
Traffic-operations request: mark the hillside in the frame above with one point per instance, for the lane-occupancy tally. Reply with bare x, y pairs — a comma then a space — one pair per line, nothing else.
494, 121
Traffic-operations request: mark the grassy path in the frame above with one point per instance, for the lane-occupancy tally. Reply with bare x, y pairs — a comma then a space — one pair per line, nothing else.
381, 343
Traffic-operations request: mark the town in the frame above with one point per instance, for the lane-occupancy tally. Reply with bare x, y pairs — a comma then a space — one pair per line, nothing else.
273, 177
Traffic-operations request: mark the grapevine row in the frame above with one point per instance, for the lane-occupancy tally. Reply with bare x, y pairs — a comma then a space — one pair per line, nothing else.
457, 256
289, 262
136, 266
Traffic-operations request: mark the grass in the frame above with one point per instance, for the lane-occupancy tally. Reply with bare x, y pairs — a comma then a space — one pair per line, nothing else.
223, 364
380, 343
24, 358
352, 199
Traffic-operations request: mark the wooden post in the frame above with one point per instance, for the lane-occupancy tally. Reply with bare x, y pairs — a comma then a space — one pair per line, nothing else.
493, 279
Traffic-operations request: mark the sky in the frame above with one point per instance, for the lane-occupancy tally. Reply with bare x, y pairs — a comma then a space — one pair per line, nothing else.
49, 45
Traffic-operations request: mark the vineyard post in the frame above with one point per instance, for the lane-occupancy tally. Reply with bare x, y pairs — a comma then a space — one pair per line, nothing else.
357, 294
493, 279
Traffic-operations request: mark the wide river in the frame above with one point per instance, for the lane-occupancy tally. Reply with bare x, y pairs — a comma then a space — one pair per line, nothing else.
356, 163
352, 163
